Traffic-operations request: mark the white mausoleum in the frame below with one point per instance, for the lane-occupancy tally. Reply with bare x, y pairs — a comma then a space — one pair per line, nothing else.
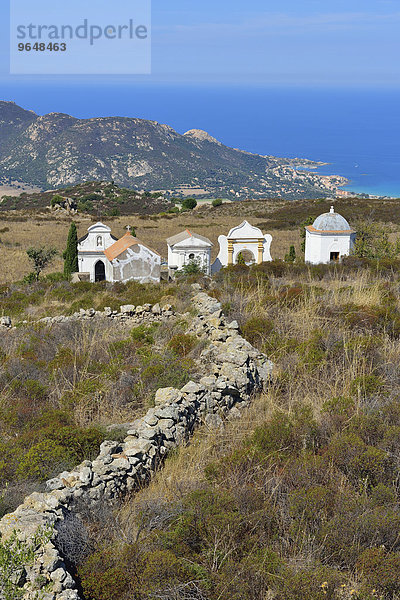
328, 239
249, 241
186, 247
102, 257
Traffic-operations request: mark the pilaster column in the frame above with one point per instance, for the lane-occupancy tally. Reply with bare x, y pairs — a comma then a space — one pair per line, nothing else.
230, 252
260, 251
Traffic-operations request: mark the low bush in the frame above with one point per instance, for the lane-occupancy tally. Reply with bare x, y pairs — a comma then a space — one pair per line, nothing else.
43, 460
257, 329
182, 344
381, 570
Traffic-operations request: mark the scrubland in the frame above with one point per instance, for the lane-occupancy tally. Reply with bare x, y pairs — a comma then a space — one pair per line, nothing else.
299, 498
61, 385
282, 219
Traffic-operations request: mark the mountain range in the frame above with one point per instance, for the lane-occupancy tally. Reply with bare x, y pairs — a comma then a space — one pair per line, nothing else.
57, 149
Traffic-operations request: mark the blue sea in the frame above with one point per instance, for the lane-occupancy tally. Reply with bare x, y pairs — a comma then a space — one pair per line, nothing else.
356, 131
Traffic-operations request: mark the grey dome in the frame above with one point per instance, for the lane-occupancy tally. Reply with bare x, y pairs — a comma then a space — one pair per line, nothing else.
331, 221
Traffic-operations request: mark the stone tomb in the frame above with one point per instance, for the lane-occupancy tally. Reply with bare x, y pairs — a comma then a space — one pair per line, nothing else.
186, 247
328, 239
249, 241
102, 257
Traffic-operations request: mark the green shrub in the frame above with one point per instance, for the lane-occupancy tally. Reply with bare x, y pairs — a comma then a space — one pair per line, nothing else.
91, 196
312, 352
56, 277
283, 434
277, 268
291, 256
366, 386
30, 388
257, 329
189, 204
182, 344
381, 494
311, 505
163, 568
381, 570
358, 460
56, 199
43, 460
316, 583
103, 577
191, 268
79, 444
144, 333
114, 212
30, 278
339, 407
82, 391
164, 370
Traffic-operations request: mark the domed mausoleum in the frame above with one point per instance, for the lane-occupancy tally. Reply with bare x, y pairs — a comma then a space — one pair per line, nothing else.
328, 239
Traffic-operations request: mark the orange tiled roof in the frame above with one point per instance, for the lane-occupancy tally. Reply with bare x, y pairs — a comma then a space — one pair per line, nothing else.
123, 244
312, 229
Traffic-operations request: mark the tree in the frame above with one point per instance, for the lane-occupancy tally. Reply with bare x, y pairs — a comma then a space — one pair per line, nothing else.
192, 267
41, 258
57, 199
189, 204
240, 260
291, 257
114, 212
308, 221
70, 254
373, 242
217, 202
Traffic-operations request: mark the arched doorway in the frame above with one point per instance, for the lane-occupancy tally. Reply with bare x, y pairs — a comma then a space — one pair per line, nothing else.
99, 271
245, 256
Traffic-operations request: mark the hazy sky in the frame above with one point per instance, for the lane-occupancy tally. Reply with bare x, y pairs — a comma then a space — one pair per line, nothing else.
301, 42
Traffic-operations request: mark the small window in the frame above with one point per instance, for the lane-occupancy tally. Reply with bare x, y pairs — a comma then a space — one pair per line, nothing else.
191, 256
334, 256
99, 240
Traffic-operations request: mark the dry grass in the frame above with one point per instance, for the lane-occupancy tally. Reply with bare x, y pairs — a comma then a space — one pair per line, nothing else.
184, 469
281, 219
336, 388
39, 230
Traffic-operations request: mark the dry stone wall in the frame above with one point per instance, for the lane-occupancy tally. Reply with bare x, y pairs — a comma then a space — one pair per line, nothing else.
148, 313
235, 369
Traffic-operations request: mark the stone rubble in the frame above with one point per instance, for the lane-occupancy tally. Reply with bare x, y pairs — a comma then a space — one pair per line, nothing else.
148, 313
236, 371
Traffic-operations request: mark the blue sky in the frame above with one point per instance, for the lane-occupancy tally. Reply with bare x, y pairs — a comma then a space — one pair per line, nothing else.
315, 78
269, 42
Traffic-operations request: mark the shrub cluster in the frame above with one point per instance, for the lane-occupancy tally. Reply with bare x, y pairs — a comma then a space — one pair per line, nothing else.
60, 385
307, 506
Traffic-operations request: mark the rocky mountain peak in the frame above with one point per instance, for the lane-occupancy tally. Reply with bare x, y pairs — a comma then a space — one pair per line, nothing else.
201, 135
57, 150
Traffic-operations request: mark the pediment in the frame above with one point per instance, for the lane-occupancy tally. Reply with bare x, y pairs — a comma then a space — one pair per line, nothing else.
245, 231
99, 228
193, 242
